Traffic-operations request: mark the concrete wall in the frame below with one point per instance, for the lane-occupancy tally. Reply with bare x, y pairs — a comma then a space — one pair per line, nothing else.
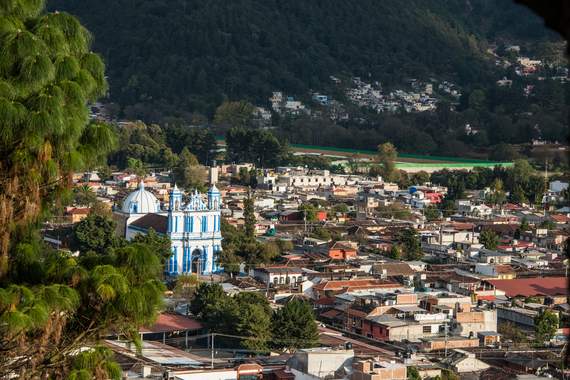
476, 321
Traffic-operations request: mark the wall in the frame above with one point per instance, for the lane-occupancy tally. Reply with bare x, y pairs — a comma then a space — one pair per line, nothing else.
476, 321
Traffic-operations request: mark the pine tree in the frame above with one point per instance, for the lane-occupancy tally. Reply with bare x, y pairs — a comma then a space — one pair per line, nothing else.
294, 326
249, 216
489, 239
52, 303
47, 76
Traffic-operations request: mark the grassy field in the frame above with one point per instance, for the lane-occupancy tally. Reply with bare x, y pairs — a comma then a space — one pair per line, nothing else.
409, 162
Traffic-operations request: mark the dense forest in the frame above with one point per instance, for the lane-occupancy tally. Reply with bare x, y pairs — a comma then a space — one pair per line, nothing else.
175, 57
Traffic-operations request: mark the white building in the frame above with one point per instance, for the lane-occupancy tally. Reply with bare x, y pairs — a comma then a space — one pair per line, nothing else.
194, 228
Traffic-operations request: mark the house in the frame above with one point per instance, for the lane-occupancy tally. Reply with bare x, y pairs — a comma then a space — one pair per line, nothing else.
469, 323
493, 257
531, 287
76, 214
320, 362
489, 338
466, 207
279, 275
343, 250
497, 271
394, 269
371, 369
461, 361
439, 343
390, 328
171, 326
332, 287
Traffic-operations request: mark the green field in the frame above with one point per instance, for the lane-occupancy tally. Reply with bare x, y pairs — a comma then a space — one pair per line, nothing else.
406, 161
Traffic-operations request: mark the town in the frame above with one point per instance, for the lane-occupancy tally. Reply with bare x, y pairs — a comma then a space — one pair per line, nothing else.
269, 190
396, 285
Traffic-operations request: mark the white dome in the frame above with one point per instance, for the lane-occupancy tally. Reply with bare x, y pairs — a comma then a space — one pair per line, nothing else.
140, 201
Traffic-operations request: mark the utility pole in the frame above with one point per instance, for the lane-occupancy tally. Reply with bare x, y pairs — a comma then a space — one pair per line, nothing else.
212, 362
445, 356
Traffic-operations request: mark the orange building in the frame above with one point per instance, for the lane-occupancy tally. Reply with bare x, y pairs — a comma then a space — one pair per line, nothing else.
343, 250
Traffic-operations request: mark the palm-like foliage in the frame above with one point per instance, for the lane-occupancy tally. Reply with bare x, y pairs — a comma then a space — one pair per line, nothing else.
44, 325
47, 75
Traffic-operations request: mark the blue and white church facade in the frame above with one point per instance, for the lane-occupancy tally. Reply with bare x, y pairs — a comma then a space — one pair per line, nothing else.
193, 226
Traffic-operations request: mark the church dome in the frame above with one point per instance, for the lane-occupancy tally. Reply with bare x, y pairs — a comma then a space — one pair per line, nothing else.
140, 201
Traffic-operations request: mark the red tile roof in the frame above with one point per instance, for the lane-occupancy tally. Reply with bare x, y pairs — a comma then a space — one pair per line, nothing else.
355, 284
330, 314
325, 301
559, 218
528, 287
172, 322
155, 221
79, 211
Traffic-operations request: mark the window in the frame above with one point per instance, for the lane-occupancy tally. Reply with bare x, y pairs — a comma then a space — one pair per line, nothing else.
427, 329
275, 280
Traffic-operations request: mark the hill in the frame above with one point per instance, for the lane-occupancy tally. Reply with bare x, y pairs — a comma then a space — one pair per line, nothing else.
175, 57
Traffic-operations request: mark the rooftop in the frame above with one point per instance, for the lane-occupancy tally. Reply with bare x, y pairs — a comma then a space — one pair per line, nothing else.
527, 287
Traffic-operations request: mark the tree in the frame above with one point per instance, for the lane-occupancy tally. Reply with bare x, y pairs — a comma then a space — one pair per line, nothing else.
309, 212
503, 152
230, 261
284, 245
395, 252
188, 172
186, 285
545, 326
387, 155
489, 239
413, 374
447, 374
524, 224
410, 244
73, 307
95, 233
136, 166
206, 299
47, 77
497, 195
234, 114
394, 211
249, 216
160, 244
84, 196
477, 100
431, 213
254, 145
294, 326
54, 309
254, 321
447, 207
510, 331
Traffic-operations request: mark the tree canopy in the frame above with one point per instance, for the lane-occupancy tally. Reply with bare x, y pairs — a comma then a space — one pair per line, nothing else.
53, 303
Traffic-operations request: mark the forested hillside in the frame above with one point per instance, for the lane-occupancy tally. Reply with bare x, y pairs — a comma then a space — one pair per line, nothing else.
174, 57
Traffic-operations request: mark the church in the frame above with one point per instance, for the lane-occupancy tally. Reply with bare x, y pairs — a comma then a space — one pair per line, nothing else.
193, 226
